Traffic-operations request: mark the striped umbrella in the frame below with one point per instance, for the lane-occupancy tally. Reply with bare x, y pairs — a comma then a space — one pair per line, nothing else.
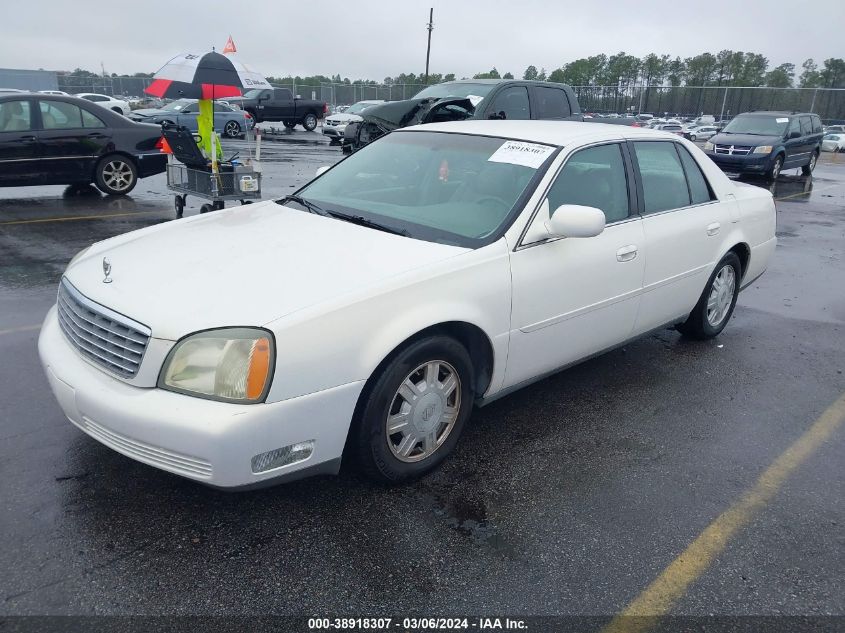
208, 76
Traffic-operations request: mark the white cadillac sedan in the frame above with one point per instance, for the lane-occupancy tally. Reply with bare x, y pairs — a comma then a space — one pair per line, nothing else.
436, 269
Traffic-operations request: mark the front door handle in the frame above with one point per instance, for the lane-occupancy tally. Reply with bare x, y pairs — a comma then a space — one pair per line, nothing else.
28, 139
626, 253
712, 229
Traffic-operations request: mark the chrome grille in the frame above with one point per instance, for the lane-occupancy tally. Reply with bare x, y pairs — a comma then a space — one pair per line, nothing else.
106, 338
733, 150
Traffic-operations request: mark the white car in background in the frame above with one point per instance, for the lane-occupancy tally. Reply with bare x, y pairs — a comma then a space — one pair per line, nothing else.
335, 124
58, 93
833, 143
116, 105
701, 132
365, 315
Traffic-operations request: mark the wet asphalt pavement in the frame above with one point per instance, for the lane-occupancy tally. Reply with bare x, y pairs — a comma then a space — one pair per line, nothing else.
568, 497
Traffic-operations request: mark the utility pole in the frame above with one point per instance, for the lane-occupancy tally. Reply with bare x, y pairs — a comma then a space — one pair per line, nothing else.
430, 27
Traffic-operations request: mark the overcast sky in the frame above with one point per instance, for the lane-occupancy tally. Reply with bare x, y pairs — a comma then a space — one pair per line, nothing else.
377, 38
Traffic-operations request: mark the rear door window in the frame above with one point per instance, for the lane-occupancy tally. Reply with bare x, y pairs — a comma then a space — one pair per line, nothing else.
15, 116
512, 103
60, 115
663, 178
551, 103
698, 188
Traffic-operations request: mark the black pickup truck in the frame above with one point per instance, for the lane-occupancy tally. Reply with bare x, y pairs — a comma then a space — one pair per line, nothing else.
279, 104
468, 99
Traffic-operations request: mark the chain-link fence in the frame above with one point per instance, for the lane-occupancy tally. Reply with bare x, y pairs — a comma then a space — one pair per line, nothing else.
722, 102
719, 101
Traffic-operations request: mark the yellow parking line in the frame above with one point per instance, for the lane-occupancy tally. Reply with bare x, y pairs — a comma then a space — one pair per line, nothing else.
78, 217
659, 597
807, 193
23, 328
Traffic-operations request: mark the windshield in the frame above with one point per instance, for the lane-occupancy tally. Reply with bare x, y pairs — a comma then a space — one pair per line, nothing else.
359, 107
831, 137
177, 106
456, 90
253, 94
760, 125
448, 188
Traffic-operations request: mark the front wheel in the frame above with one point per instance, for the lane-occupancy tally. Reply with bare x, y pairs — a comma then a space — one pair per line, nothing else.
116, 175
413, 413
774, 172
310, 122
289, 124
807, 169
232, 129
716, 304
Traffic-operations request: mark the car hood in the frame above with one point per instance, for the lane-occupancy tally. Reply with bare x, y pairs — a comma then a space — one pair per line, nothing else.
344, 118
148, 112
752, 140
243, 266
397, 114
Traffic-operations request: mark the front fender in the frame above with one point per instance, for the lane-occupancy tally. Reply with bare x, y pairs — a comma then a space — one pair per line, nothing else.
330, 345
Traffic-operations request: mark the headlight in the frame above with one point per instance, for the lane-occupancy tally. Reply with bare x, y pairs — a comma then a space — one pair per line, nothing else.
230, 364
763, 149
708, 146
77, 256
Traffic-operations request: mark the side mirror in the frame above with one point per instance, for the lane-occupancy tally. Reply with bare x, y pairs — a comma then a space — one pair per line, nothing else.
575, 220
795, 134
264, 97
322, 170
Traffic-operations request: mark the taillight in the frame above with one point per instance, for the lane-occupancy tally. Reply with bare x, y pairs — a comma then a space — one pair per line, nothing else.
247, 115
325, 108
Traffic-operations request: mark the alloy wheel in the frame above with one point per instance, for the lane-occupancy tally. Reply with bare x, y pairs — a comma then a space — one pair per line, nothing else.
117, 175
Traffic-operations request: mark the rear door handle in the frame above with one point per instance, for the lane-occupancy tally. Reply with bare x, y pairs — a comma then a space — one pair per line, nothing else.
712, 229
28, 139
626, 253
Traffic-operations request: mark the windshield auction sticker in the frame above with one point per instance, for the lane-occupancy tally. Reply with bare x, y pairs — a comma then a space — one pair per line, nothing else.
520, 153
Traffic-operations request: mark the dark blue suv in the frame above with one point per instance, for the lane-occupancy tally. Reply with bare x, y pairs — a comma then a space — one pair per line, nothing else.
764, 143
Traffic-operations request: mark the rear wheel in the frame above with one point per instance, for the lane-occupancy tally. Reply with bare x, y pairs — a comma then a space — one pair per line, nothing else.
310, 122
809, 167
415, 411
692, 137
716, 304
116, 175
232, 129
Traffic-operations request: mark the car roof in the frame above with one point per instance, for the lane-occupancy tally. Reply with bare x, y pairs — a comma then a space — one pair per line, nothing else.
549, 132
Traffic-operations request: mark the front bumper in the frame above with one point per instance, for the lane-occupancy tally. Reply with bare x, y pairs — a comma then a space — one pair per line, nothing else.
335, 131
207, 441
748, 164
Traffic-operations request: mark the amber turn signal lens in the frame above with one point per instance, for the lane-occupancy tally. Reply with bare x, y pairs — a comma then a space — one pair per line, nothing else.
259, 368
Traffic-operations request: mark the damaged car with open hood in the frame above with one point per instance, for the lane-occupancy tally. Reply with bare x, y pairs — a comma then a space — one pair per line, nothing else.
466, 99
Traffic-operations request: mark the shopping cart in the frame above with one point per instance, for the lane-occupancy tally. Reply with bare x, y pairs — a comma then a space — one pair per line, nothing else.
194, 175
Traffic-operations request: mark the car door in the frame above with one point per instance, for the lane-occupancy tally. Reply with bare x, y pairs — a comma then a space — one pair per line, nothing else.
283, 105
795, 144
72, 139
19, 149
572, 297
683, 222
188, 115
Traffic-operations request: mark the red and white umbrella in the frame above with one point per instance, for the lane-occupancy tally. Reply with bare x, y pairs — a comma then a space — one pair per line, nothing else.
207, 76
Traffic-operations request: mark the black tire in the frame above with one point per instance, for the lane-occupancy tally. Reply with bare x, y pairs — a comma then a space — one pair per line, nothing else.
232, 129
692, 137
369, 438
115, 175
807, 170
289, 124
697, 325
118, 110
309, 122
206, 208
774, 172
179, 204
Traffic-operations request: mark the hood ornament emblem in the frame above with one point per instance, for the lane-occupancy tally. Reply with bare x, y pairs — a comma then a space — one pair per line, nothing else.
107, 270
